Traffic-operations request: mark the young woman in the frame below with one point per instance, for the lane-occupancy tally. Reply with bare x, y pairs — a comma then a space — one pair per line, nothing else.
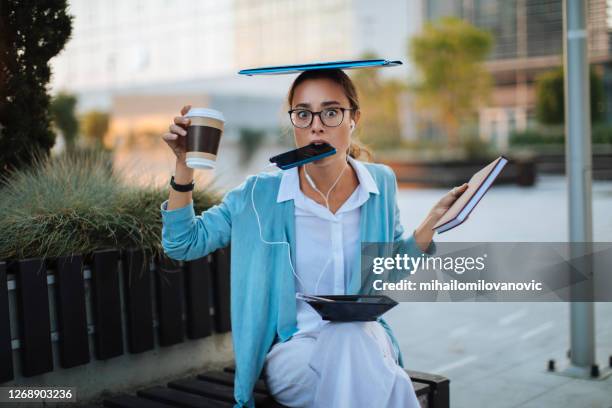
300, 230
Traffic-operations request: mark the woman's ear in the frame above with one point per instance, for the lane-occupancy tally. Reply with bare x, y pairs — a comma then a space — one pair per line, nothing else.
356, 117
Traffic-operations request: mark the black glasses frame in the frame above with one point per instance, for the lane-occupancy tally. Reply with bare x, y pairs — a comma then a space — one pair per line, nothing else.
312, 115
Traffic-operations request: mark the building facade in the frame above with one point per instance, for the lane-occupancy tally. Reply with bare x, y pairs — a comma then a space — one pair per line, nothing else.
528, 36
156, 53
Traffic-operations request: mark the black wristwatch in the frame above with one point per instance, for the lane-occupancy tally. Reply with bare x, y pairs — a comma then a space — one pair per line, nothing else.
183, 188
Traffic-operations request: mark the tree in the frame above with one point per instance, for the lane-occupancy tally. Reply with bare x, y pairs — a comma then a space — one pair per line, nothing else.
449, 57
249, 142
95, 125
31, 33
379, 125
62, 113
550, 109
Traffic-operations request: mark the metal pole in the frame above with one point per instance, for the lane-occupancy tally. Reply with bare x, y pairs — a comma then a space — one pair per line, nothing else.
579, 171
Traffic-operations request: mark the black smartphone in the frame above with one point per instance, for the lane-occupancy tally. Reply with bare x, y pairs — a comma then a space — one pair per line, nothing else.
303, 155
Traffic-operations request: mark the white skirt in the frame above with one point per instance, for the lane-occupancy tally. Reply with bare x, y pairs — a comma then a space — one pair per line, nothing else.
348, 364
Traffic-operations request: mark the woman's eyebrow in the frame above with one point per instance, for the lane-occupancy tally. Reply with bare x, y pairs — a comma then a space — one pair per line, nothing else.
326, 103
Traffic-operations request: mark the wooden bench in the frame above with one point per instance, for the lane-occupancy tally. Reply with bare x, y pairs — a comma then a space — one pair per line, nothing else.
215, 389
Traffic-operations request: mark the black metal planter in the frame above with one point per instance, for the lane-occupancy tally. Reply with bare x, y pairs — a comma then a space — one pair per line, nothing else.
138, 300
6, 352
106, 304
71, 311
128, 289
34, 321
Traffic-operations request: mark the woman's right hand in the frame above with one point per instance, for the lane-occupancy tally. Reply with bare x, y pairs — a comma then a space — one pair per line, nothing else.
176, 135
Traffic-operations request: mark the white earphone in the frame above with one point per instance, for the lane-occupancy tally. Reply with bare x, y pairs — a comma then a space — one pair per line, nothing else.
352, 126
310, 181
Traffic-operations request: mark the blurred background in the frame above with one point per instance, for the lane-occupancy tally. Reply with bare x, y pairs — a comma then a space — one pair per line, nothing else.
480, 78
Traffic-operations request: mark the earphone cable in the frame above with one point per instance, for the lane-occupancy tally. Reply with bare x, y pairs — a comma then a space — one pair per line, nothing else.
325, 197
284, 242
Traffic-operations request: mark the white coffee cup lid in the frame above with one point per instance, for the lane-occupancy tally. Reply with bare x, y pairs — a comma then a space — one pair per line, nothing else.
205, 112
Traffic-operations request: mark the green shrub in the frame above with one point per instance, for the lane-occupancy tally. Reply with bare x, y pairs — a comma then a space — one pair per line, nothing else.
76, 204
550, 95
600, 134
475, 148
250, 140
534, 137
62, 110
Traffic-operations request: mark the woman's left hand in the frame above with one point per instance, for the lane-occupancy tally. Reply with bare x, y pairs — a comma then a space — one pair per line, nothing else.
424, 233
445, 202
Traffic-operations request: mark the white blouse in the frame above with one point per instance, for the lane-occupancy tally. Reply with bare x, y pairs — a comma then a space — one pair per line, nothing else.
325, 242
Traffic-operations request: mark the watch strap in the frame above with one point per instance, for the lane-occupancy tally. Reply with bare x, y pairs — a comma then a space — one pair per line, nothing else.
183, 188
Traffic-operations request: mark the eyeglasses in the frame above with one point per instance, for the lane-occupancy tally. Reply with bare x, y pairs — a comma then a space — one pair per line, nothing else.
330, 117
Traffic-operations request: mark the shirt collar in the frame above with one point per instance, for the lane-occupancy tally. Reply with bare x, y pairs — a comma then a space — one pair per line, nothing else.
290, 183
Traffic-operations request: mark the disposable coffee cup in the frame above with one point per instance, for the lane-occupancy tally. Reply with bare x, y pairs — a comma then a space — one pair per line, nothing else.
203, 137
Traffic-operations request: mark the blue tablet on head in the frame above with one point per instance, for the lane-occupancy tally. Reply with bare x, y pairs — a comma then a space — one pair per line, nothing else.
292, 69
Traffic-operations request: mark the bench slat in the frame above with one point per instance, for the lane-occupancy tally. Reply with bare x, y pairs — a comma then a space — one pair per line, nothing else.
129, 401
432, 379
440, 387
212, 390
181, 398
226, 378
420, 387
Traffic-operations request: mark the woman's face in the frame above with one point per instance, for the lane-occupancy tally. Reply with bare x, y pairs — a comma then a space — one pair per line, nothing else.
316, 95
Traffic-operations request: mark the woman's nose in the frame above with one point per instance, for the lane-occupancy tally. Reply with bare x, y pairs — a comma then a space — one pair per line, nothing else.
316, 125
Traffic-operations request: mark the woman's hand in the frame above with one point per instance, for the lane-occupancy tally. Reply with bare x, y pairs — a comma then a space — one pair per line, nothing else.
424, 233
177, 140
445, 202
176, 135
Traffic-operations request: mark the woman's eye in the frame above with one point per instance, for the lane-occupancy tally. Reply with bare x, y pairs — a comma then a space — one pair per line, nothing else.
302, 114
330, 113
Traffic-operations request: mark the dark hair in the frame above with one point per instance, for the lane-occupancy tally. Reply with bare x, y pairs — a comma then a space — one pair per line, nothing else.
356, 149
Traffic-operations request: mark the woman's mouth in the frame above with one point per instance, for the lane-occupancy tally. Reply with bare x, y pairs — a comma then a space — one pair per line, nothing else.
319, 142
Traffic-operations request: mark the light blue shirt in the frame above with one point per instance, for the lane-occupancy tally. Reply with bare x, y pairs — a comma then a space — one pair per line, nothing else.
263, 308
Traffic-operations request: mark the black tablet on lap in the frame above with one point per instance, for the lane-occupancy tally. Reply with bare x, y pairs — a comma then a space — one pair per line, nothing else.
350, 308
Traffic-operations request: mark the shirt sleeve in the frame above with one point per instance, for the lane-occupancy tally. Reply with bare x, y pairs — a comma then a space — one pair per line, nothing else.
406, 245
409, 244
186, 237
